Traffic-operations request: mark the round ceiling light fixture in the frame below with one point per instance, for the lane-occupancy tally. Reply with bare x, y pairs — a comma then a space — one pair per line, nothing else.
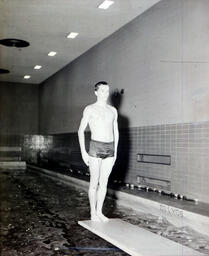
13, 42
4, 71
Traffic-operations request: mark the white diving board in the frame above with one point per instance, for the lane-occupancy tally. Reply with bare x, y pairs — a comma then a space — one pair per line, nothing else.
136, 241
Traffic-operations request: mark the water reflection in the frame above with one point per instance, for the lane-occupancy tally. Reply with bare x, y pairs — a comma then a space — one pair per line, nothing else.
40, 218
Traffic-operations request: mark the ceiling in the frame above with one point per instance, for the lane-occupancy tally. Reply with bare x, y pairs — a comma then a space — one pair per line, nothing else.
45, 25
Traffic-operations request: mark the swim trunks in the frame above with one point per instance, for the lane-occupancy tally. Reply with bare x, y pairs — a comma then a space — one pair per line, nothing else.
101, 149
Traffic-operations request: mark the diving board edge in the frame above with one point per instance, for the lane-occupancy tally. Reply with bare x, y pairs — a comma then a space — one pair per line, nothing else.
108, 239
136, 241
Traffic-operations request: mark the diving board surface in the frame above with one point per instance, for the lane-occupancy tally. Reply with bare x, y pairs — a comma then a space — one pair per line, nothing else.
136, 241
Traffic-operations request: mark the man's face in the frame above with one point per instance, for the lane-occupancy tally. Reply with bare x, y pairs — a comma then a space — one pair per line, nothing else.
103, 92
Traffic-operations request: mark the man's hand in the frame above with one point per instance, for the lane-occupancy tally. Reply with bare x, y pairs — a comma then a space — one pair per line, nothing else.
85, 158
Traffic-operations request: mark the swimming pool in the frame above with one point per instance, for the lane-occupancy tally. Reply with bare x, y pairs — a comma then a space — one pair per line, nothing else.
40, 218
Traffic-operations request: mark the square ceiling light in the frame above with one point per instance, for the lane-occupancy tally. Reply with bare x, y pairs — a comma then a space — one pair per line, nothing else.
37, 67
52, 53
72, 35
26, 77
106, 4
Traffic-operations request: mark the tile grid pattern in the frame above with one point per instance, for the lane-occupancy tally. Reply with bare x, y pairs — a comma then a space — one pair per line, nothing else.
188, 145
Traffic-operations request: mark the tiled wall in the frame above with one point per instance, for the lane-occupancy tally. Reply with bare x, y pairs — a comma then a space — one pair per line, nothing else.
11, 140
35, 146
187, 144
11, 147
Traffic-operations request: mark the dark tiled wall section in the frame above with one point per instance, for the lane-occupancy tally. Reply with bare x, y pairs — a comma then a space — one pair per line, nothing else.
187, 144
11, 141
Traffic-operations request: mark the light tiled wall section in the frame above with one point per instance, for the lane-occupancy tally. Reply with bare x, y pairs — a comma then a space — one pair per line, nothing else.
188, 145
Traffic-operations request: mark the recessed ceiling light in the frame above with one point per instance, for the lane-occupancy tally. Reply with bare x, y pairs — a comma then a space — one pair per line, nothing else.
37, 67
26, 77
52, 53
106, 4
72, 35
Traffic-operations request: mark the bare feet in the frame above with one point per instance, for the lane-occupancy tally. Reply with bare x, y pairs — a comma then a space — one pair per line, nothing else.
102, 217
94, 217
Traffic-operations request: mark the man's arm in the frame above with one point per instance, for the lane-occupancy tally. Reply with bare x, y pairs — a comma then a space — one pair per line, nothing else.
81, 137
116, 133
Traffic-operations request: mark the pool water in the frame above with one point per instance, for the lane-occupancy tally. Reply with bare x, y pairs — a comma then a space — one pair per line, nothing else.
39, 217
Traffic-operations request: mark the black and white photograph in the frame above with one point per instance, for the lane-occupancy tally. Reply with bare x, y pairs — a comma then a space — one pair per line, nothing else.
104, 127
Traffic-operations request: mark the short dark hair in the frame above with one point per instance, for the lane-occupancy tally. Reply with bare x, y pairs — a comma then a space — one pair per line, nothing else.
97, 85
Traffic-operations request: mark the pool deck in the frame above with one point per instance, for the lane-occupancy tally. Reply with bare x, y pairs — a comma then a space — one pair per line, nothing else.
178, 212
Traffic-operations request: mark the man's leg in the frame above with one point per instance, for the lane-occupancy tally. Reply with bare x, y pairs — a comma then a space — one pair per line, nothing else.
94, 166
105, 170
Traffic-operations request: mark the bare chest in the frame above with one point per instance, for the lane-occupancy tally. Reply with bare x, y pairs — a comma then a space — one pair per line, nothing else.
102, 115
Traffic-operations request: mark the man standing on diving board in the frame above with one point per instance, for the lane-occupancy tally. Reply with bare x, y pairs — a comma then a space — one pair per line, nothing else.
102, 121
